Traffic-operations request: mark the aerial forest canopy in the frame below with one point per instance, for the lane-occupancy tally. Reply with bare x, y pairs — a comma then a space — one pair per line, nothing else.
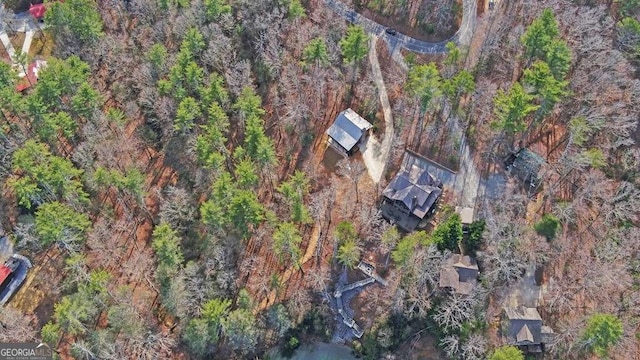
233, 179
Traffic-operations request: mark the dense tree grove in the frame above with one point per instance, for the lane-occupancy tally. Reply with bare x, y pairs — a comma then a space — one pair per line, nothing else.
168, 175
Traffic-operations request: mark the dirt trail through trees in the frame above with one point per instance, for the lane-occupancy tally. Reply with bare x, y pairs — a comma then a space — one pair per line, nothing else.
309, 253
374, 153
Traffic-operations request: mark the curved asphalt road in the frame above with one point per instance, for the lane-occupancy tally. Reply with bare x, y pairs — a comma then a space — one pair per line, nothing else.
461, 37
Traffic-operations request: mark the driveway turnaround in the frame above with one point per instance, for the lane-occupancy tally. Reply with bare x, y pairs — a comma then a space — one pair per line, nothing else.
461, 37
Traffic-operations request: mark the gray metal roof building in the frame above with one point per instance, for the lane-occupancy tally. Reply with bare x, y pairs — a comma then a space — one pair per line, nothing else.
347, 130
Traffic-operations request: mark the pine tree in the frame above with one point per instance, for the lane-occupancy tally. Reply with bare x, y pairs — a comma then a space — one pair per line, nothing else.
602, 332
157, 57
354, 45
193, 42
213, 311
345, 232
245, 211
214, 92
424, 83
539, 35
404, 250
294, 190
58, 222
448, 234
240, 329
166, 244
54, 124
462, 83
245, 172
286, 242
316, 53
548, 89
210, 143
511, 108
558, 57
216, 8
55, 176
249, 104
188, 111
349, 254
296, 10
85, 101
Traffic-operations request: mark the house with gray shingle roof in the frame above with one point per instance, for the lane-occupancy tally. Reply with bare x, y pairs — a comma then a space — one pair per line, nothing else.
460, 274
411, 195
523, 328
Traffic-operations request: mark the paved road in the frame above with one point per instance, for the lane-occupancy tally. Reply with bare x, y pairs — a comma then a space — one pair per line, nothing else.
461, 37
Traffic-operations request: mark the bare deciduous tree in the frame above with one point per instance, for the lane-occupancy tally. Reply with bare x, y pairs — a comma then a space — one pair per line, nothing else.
16, 327
177, 208
455, 311
474, 347
299, 304
352, 170
451, 345
238, 76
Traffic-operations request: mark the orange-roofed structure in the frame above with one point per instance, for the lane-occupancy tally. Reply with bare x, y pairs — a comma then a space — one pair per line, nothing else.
31, 77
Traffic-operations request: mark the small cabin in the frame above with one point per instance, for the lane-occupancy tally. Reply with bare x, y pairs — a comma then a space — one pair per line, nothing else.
348, 131
466, 217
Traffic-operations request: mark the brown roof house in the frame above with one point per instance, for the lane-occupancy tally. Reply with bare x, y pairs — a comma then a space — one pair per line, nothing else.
411, 195
347, 131
523, 328
460, 274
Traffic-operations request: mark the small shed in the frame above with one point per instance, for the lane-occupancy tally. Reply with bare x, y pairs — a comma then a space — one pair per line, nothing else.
30, 78
459, 274
347, 131
466, 215
411, 195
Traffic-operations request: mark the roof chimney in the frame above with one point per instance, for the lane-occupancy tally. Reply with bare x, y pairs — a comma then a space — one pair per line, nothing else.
414, 202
